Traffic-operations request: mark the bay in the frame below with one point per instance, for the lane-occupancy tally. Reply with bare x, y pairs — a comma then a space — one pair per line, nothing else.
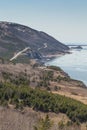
75, 64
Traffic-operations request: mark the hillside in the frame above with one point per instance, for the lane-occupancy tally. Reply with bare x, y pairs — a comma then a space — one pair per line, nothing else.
28, 92
16, 37
49, 78
34, 96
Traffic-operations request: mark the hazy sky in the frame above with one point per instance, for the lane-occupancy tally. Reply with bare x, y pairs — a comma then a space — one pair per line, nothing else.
66, 20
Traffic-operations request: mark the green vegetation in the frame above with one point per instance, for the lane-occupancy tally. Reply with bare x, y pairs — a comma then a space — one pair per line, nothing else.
56, 88
54, 68
60, 78
44, 124
47, 75
45, 79
61, 125
22, 96
69, 125
21, 79
47, 124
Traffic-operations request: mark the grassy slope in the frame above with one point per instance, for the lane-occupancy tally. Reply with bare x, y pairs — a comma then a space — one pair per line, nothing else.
11, 94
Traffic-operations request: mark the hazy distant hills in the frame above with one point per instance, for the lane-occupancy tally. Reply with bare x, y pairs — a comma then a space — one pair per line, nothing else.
16, 37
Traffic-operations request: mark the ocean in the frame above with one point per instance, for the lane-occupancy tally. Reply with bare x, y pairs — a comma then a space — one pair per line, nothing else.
75, 64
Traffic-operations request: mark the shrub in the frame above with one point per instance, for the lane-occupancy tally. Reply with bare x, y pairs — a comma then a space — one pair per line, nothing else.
22, 96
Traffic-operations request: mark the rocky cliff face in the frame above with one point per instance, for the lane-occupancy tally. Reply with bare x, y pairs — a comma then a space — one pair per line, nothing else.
16, 37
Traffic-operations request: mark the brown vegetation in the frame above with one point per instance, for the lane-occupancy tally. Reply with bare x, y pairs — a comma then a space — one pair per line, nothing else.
11, 119
50, 78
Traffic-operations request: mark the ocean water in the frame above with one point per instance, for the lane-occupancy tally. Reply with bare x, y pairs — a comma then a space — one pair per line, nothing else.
75, 64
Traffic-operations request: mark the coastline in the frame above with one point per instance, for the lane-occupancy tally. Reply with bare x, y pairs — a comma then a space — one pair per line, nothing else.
53, 57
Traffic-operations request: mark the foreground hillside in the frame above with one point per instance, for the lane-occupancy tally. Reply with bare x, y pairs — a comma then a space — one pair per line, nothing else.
41, 100
28, 119
29, 92
16, 37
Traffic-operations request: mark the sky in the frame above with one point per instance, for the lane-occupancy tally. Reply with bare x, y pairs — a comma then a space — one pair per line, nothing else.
65, 20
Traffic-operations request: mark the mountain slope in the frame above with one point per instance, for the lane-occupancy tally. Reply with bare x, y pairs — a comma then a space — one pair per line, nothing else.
16, 37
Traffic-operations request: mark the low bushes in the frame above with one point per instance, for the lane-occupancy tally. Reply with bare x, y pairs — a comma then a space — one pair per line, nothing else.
22, 96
